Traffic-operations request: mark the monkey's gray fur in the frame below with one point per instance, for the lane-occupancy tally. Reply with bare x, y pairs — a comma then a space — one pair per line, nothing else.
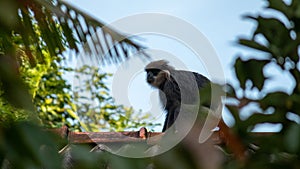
176, 87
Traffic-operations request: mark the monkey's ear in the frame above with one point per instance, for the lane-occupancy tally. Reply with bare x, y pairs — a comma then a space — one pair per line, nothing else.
167, 74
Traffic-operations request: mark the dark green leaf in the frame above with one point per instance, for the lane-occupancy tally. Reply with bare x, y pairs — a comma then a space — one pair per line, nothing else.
292, 137
250, 70
253, 44
281, 6
258, 118
277, 100
274, 30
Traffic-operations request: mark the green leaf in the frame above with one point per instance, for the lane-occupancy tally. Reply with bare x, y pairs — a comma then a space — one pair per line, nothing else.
72, 114
258, 118
253, 44
274, 31
280, 6
250, 70
276, 100
292, 137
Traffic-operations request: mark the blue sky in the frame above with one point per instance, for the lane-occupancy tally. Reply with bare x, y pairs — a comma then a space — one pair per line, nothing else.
220, 21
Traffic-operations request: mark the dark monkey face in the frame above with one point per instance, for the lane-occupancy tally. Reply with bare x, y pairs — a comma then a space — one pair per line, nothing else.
152, 74
156, 77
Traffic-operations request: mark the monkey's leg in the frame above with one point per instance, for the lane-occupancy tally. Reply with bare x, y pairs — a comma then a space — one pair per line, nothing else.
175, 115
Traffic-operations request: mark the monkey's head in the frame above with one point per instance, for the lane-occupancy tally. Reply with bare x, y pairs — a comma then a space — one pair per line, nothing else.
158, 72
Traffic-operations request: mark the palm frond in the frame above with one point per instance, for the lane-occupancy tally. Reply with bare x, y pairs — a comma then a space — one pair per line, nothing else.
56, 26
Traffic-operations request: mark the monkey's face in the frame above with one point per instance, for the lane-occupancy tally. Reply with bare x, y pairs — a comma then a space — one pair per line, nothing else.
156, 77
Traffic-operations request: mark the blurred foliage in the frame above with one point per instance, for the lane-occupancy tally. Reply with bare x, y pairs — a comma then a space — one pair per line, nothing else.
58, 104
57, 25
35, 27
24, 145
33, 76
34, 36
277, 39
39, 31
52, 94
96, 108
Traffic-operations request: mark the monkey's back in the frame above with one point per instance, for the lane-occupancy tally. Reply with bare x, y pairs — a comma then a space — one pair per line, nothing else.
183, 87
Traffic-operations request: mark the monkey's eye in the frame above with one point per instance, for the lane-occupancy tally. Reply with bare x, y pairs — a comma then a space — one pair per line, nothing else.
153, 71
